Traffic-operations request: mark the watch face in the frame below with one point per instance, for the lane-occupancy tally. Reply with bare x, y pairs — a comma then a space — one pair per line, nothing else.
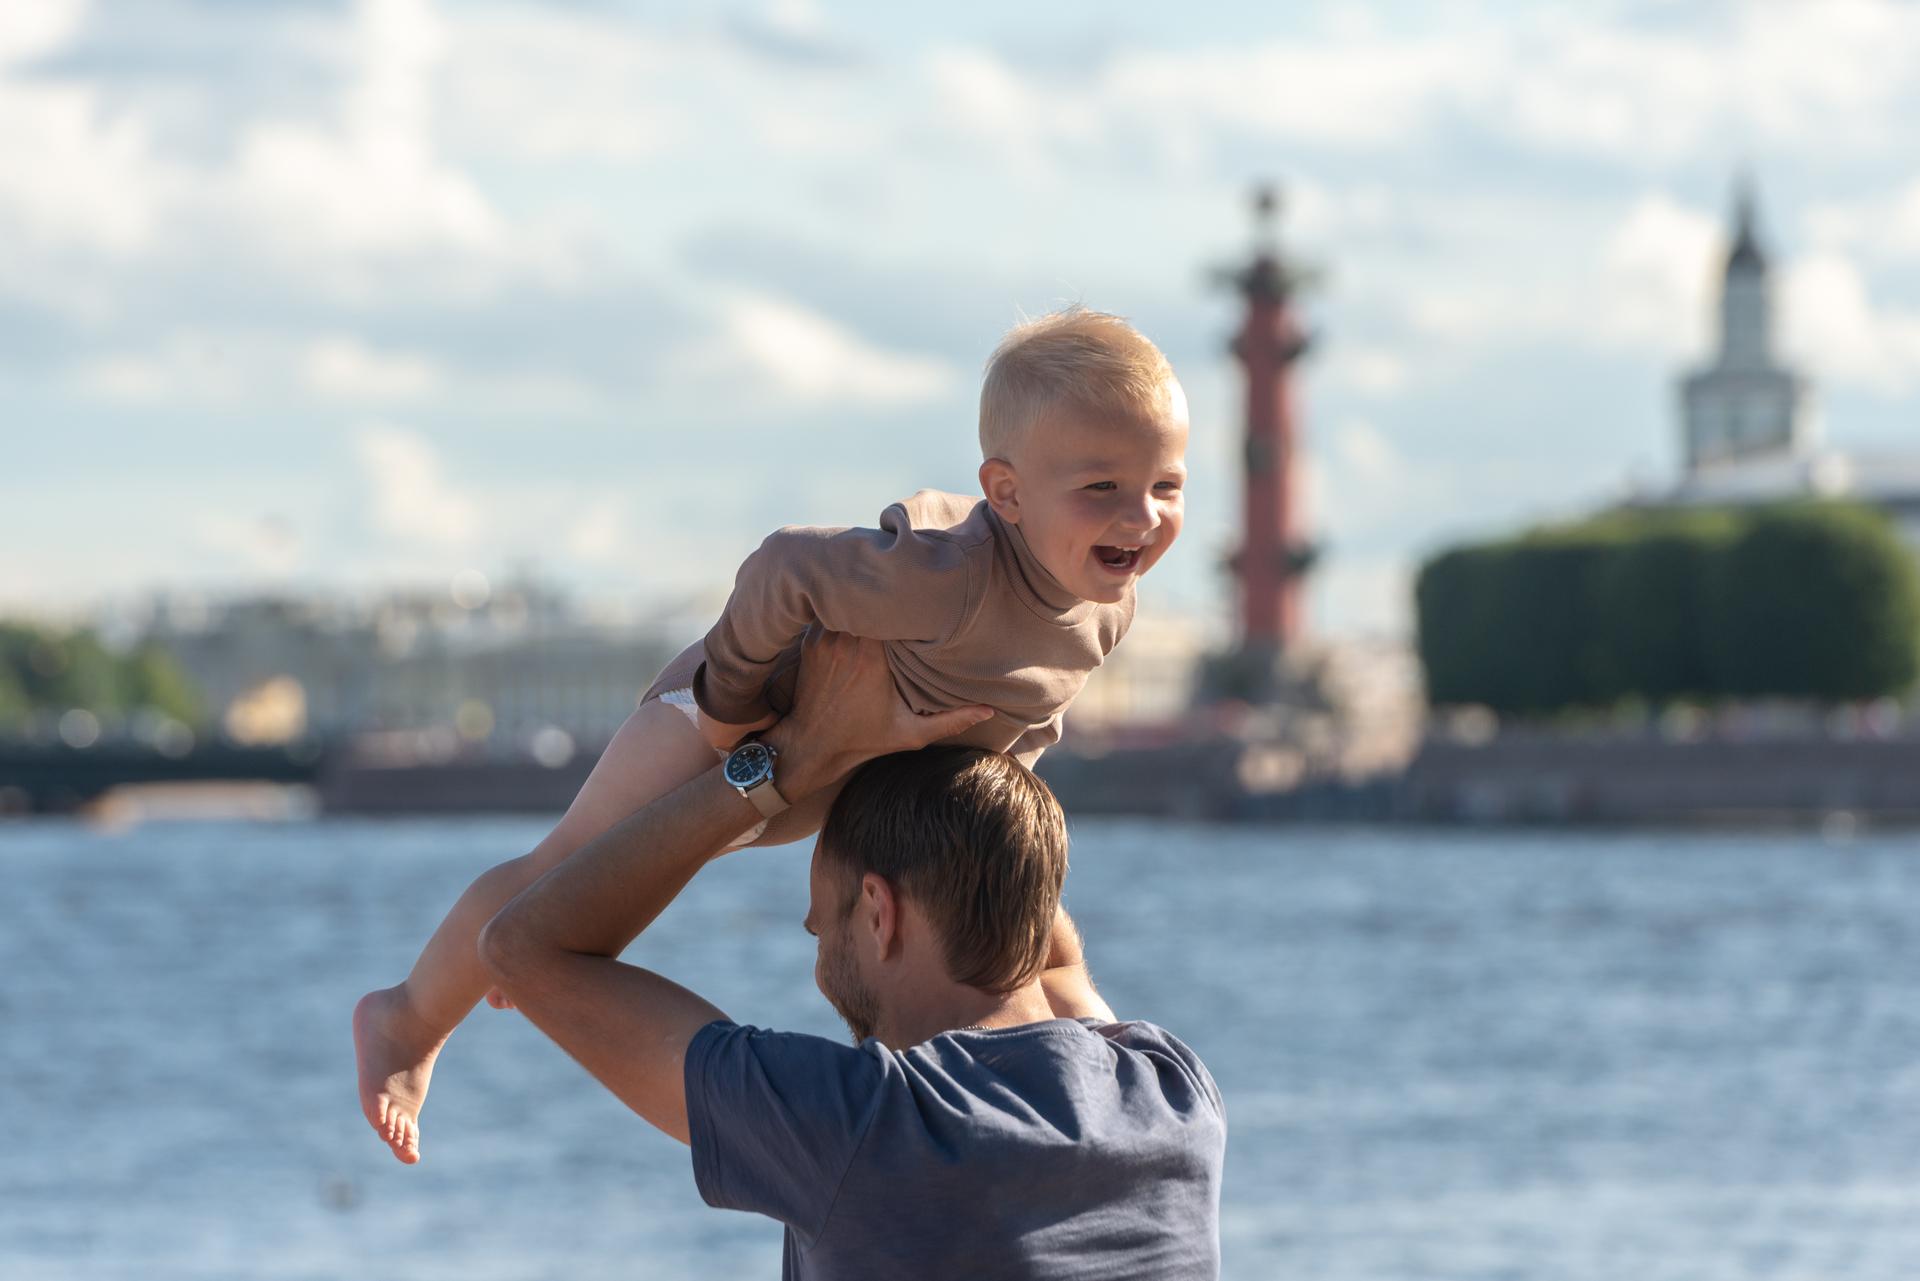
749, 763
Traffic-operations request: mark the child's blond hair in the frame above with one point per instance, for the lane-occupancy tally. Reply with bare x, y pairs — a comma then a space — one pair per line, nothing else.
1090, 361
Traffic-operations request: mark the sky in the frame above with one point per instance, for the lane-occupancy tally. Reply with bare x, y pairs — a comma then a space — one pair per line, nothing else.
303, 295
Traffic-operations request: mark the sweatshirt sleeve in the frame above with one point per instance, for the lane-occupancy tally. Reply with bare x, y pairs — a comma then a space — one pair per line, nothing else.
890, 583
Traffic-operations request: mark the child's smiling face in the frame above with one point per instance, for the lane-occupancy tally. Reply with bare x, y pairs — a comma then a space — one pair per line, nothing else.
1099, 501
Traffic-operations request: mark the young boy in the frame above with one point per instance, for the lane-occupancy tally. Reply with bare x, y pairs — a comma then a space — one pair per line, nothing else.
1008, 602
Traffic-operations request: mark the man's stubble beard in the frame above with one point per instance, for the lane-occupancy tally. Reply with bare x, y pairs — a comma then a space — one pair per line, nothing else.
849, 996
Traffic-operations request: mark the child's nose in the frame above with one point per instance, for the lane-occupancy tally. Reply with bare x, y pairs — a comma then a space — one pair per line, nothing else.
1143, 517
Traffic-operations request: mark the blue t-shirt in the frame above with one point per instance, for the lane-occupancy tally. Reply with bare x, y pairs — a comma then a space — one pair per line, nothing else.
1057, 1149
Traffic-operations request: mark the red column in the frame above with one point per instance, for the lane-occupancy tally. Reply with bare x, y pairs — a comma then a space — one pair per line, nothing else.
1274, 554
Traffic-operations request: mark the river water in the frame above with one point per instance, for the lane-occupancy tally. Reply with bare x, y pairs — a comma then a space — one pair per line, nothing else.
1444, 1055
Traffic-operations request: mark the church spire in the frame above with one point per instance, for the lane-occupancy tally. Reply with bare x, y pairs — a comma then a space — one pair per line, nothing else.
1745, 404
1746, 254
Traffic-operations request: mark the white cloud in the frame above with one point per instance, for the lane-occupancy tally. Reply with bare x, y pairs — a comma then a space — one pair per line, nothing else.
191, 368
343, 368
266, 545
795, 17
1885, 228
74, 177
536, 393
357, 201
1369, 369
1360, 484
1634, 276
601, 533
1366, 451
33, 28
790, 353
975, 95
1350, 91
409, 496
369, 182
231, 369
1832, 323
618, 104
1659, 267
1827, 75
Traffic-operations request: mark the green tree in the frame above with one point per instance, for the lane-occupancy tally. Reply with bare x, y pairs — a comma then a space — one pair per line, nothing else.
1457, 605
1556, 655
1812, 600
14, 707
155, 680
1816, 600
45, 671
1655, 613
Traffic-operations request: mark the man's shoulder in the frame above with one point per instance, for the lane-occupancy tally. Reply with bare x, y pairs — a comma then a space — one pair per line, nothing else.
1136, 1036
1130, 1055
725, 1037
774, 1118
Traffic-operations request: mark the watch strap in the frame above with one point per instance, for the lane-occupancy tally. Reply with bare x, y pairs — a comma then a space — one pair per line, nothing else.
766, 798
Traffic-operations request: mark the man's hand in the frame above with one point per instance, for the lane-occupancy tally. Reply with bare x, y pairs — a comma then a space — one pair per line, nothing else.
846, 711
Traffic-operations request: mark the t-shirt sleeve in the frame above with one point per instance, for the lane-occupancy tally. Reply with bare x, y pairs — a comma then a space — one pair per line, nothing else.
891, 583
774, 1119
1167, 1049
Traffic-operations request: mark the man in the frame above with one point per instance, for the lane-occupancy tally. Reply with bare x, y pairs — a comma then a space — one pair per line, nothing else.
993, 1121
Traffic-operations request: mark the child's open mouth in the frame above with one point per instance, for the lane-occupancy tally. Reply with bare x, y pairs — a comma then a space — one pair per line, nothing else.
1120, 558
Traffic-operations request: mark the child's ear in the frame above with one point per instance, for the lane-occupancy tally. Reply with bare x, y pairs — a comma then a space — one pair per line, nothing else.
1001, 484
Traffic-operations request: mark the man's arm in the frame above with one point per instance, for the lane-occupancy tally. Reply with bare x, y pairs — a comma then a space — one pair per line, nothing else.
1068, 985
552, 950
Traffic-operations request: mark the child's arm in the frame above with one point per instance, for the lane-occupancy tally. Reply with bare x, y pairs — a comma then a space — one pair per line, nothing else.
1065, 980
890, 583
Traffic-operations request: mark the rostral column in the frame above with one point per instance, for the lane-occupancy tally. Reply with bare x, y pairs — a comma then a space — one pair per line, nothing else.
1274, 557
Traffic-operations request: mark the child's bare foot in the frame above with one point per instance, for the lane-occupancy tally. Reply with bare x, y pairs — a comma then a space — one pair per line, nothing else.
395, 1053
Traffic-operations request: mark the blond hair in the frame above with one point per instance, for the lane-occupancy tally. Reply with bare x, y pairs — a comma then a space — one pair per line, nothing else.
1089, 361
974, 838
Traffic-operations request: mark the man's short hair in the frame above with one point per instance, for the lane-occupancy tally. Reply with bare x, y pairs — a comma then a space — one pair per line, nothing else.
1083, 360
973, 838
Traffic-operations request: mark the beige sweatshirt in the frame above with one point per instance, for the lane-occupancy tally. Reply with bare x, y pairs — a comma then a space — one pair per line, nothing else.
967, 614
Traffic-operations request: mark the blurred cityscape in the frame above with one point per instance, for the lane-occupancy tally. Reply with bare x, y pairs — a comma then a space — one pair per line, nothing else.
480, 695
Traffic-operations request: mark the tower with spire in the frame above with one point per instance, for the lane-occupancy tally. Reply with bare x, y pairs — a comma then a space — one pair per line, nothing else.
1745, 404
1274, 554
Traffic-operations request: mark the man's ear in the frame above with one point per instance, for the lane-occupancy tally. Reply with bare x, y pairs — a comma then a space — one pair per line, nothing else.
879, 915
1001, 484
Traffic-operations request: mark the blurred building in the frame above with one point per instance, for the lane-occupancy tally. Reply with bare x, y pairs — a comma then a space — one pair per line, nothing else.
1148, 679
1749, 430
503, 671
1745, 405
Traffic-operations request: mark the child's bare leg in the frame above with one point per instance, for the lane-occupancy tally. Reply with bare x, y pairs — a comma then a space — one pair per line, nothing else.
398, 1031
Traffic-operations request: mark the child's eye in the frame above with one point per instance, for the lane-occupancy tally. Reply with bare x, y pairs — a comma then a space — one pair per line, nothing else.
1168, 484
1102, 485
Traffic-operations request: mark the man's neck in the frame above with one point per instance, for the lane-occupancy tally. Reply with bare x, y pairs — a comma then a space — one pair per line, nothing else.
961, 1007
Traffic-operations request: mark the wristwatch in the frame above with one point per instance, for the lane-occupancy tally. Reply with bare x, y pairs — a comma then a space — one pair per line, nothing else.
749, 768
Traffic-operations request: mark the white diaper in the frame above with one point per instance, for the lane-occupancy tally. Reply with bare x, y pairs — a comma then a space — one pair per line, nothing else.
682, 698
